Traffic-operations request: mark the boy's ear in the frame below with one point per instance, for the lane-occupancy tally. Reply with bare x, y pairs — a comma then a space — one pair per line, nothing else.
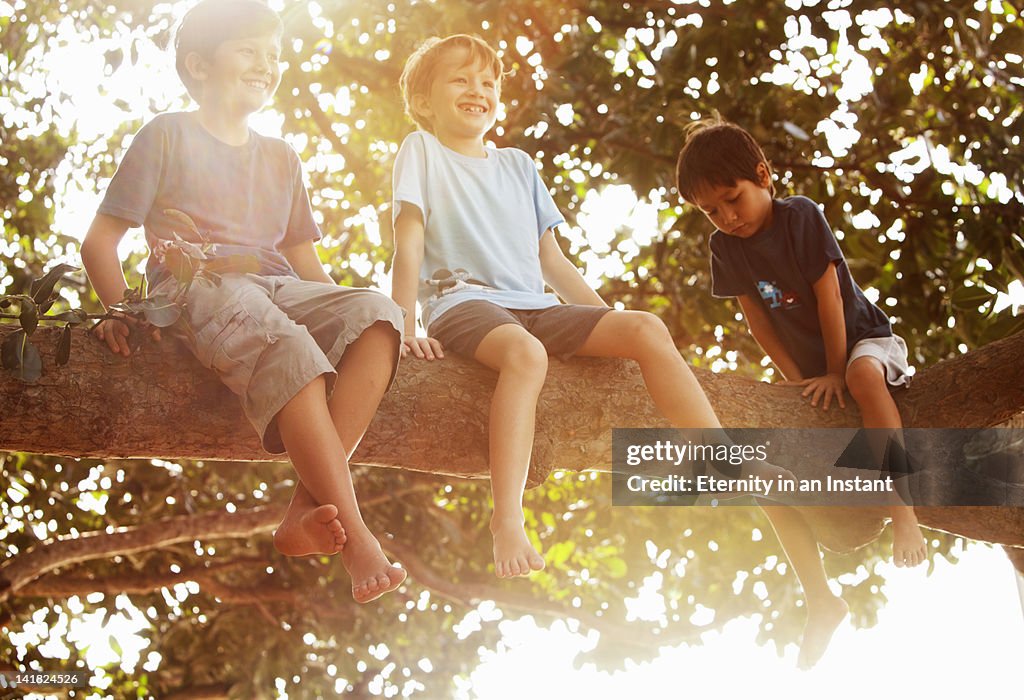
764, 177
421, 105
196, 66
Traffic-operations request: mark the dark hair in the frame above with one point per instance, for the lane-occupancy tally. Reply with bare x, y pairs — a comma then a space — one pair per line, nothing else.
718, 153
421, 68
212, 22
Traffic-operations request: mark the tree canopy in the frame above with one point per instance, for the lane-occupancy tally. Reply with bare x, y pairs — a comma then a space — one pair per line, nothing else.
902, 118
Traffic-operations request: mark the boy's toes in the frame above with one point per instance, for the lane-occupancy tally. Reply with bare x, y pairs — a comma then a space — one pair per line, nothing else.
536, 562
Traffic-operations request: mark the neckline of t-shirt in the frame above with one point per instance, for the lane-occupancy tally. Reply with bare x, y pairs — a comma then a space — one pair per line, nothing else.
198, 125
767, 233
462, 157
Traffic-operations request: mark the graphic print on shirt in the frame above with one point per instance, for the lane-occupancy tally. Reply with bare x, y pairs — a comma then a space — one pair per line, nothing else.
775, 297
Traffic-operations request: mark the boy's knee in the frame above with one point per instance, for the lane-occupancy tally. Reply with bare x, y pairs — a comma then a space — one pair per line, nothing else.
648, 331
864, 377
526, 354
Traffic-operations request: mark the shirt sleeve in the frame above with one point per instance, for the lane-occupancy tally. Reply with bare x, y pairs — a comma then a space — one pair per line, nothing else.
409, 179
724, 280
815, 244
302, 225
544, 205
133, 189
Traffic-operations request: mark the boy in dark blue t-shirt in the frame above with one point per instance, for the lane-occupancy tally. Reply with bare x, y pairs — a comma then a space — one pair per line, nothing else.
778, 257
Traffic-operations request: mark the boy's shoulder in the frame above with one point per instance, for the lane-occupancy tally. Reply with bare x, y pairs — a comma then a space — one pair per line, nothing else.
799, 206
798, 203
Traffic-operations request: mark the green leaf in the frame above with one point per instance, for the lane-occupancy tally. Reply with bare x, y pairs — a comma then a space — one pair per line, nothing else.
180, 266
559, 554
160, 311
183, 220
19, 355
43, 287
116, 646
64, 347
29, 316
616, 567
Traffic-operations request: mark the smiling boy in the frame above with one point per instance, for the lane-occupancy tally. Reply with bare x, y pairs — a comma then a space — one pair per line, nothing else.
475, 244
309, 360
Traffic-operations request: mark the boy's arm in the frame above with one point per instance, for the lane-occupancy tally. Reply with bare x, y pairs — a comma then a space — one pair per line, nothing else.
833, 331
764, 333
562, 276
306, 263
99, 256
405, 270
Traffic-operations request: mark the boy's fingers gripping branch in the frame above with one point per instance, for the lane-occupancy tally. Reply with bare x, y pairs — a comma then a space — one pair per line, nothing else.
826, 387
423, 348
116, 333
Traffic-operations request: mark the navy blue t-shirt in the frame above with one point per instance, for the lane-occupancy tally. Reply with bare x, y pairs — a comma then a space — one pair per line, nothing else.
779, 266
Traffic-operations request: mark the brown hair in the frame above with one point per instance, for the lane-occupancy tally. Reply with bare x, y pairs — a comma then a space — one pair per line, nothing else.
718, 153
421, 68
212, 22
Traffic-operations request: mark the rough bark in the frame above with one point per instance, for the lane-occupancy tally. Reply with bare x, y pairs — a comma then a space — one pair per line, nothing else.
161, 403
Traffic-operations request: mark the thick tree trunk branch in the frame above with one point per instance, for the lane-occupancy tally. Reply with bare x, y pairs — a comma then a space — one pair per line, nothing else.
160, 403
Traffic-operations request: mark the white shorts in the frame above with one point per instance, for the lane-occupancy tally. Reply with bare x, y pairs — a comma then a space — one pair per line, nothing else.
891, 352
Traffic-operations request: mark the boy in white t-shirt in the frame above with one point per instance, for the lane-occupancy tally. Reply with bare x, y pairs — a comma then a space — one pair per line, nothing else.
474, 242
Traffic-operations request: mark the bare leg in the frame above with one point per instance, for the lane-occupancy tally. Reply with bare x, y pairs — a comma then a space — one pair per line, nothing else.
825, 610
865, 378
521, 362
363, 374
641, 336
319, 455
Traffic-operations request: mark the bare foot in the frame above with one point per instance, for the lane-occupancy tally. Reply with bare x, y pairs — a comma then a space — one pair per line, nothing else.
822, 621
371, 572
513, 553
313, 531
909, 547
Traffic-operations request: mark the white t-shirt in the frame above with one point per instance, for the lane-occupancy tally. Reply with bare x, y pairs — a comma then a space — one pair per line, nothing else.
483, 215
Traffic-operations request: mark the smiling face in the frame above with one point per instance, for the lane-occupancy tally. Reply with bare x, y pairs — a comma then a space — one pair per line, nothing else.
461, 105
241, 76
741, 209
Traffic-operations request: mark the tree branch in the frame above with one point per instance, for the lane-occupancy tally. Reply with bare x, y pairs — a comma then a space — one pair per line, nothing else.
18, 571
123, 408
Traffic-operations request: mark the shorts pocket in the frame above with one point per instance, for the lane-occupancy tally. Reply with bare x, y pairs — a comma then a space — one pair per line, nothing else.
230, 344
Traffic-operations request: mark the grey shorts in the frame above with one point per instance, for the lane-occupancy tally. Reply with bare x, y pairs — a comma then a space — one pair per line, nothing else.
267, 337
891, 352
562, 329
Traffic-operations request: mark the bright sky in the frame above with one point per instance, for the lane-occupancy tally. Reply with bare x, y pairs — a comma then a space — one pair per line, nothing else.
956, 633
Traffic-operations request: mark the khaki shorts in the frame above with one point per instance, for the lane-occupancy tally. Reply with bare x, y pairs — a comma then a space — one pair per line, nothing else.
891, 352
562, 329
268, 337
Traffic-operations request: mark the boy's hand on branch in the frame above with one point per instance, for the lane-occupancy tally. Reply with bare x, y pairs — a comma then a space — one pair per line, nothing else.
423, 348
116, 333
822, 387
